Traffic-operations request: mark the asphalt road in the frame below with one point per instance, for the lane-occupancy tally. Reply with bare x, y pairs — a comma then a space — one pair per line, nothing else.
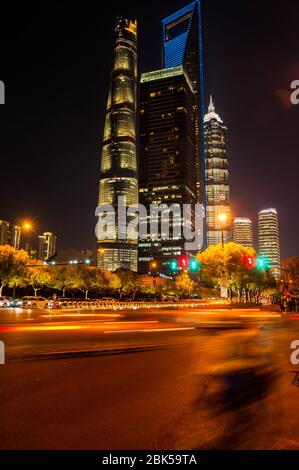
190, 379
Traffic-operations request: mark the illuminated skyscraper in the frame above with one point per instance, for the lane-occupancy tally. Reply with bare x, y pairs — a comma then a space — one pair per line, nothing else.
46, 245
4, 232
269, 246
182, 46
242, 231
167, 159
118, 172
10, 234
217, 187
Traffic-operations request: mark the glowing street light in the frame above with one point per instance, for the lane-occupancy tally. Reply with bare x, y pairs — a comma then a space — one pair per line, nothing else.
222, 217
27, 226
154, 265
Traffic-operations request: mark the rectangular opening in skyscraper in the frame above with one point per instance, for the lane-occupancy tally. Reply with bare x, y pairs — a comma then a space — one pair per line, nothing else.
177, 27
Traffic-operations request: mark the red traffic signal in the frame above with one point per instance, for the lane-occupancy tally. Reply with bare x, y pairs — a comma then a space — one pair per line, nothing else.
249, 262
183, 262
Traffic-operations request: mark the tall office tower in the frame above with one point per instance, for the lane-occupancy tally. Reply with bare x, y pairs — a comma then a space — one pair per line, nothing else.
4, 232
242, 231
269, 246
15, 236
118, 171
167, 168
46, 245
217, 188
182, 45
10, 234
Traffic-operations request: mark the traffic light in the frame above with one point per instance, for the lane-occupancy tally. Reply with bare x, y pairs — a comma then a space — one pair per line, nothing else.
183, 262
249, 262
174, 265
261, 263
194, 265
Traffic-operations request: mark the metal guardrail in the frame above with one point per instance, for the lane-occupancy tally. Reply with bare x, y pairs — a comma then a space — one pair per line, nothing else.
118, 305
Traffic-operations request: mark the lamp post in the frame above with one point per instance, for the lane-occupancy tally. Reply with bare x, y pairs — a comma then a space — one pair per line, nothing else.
153, 269
27, 227
222, 217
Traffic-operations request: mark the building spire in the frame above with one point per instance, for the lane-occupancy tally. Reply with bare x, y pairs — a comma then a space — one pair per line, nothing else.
211, 105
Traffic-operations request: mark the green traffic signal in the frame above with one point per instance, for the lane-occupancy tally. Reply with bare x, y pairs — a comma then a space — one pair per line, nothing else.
174, 265
194, 265
261, 263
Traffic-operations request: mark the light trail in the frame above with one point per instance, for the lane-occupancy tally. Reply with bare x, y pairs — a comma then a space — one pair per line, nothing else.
153, 330
47, 327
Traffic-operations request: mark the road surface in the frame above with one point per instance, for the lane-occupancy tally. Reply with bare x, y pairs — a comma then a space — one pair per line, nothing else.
148, 379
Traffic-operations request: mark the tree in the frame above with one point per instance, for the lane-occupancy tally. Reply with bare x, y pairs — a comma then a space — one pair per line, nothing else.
129, 282
231, 261
114, 281
291, 270
184, 284
63, 278
38, 275
12, 266
87, 278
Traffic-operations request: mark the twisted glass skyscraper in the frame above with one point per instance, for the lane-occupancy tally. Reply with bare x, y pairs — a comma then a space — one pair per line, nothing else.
118, 172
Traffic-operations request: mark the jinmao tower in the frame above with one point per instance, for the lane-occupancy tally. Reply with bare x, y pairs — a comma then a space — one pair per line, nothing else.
118, 169
217, 187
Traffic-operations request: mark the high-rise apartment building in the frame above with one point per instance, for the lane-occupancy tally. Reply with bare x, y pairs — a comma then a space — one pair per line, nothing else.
217, 186
167, 167
268, 234
10, 234
118, 170
4, 232
46, 245
243, 232
182, 46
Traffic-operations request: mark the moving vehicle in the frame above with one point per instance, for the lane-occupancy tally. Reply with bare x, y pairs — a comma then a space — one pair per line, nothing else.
5, 302
32, 302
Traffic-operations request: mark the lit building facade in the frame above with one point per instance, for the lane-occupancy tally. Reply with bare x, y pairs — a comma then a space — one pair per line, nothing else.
118, 169
10, 234
182, 45
217, 186
243, 231
167, 167
4, 232
46, 245
269, 244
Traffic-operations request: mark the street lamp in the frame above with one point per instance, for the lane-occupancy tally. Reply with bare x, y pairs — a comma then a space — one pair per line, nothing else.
222, 217
153, 265
27, 227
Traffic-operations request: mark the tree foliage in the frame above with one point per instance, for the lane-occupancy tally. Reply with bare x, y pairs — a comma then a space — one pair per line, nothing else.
12, 266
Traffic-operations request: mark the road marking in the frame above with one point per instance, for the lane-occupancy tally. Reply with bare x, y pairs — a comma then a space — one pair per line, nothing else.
156, 330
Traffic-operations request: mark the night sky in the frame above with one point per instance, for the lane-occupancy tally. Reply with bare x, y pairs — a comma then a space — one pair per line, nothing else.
55, 62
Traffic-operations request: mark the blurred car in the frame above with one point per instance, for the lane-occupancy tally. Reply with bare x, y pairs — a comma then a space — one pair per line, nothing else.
14, 303
169, 298
60, 302
5, 302
31, 302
